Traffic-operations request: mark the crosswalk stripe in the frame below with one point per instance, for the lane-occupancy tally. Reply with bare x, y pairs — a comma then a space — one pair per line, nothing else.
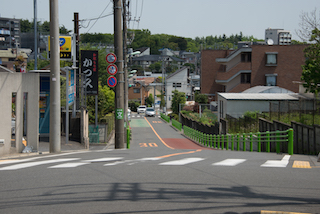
68, 165
103, 159
31, 164
276, 163
182, 161
229, 162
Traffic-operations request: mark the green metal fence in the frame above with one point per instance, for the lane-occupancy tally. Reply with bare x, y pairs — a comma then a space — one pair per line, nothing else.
165, 117
235, 141
176, 124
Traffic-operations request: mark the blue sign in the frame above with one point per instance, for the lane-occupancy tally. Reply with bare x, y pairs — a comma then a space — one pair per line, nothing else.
112, 81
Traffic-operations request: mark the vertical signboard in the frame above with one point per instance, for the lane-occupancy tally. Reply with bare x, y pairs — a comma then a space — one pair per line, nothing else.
71, 87
89, 67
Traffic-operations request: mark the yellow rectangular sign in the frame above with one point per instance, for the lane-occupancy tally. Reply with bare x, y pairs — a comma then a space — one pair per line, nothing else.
65, 46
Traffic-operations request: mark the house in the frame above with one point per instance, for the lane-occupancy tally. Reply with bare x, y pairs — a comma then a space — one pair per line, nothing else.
146, 60
139, 88
236, 104
251, 65
178, 80
8, 58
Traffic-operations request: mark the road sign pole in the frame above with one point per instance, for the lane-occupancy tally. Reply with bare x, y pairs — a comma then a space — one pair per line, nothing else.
119, 95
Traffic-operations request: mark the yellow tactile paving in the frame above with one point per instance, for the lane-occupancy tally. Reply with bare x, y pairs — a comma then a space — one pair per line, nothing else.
301, 164
279, 212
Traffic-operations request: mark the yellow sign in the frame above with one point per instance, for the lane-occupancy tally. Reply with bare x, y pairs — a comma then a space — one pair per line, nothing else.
65, 46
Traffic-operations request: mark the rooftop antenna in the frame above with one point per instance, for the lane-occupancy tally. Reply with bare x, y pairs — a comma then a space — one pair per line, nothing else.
270, 42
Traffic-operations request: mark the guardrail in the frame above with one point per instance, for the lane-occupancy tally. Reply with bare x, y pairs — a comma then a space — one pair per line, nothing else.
165, 117
176, 124
232, 140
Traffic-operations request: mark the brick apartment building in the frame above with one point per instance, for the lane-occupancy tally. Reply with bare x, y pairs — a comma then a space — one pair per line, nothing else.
249, 66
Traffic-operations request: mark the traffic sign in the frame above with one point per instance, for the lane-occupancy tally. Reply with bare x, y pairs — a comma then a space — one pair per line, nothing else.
112, 69
111, 81
111, 58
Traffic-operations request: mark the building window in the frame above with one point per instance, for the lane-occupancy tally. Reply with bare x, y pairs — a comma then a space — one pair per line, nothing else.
271, 79
271, 59
245, 57
245, 78
136, 90
176, 84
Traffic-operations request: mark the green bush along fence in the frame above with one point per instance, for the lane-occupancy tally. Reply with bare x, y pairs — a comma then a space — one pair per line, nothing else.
234, 141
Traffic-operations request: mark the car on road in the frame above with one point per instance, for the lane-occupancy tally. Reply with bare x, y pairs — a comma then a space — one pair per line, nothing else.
150, 112
141, 109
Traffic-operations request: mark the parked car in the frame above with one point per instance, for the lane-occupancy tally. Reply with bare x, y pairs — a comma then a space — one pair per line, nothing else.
13, 126
150, 112
141, 109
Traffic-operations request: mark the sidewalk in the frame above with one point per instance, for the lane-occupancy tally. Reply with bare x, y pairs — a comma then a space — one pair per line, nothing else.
72, 146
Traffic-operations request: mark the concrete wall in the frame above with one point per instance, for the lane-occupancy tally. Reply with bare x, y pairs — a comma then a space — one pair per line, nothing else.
20, 83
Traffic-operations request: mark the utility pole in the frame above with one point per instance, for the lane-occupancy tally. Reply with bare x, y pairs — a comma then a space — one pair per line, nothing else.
55, 115
124, 3
77, 70
35, 35
119, 93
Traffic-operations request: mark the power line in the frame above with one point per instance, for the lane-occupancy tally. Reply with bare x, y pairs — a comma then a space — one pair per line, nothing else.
96, 19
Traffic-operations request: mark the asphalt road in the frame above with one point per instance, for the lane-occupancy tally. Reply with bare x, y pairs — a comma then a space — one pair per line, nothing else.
162, 172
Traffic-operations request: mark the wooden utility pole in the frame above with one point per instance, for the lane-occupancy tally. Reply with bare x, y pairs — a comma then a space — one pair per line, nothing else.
119, 93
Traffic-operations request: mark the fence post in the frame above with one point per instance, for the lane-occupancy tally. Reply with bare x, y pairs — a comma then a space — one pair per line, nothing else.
222, 142
268, 141
277, 142
244, 141
227, 143
210, 140
218, 141
259, 142
238, 142
251, 142
290, 141
214, 141
232, 142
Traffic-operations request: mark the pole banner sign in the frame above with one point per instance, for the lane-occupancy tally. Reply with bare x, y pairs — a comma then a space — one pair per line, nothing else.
89, 68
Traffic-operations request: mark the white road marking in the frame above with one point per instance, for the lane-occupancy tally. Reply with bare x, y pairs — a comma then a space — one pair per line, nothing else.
276, 163
229, 162
103, 159
68, 165
182, 161
31, 164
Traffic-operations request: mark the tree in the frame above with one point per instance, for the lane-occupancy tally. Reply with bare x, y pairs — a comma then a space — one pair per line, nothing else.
105, 103
150, 100
308, 22
311, 68
177, 98
201, 98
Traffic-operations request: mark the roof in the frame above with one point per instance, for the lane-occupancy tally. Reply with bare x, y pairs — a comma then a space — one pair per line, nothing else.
147, 58
260, 96
145, 80
155, 58
178, 71
267, 89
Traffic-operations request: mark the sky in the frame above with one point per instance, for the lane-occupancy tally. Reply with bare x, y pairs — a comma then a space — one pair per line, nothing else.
185, 18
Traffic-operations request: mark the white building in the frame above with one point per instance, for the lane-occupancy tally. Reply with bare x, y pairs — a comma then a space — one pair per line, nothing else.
277, 36
177, 81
